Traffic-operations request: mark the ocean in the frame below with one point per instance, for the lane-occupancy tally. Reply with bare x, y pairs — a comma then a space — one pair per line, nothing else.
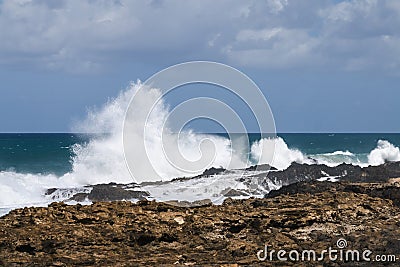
53, 153
31, 163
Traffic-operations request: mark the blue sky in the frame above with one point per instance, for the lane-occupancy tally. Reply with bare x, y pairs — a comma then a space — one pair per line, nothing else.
324, 66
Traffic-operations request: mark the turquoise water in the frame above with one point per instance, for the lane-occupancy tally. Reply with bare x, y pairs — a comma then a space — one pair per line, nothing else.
32, 163
38, 152
327, 143
51, 153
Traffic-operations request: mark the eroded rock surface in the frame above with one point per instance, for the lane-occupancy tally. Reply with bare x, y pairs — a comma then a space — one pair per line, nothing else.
345, 172
153, 234
363, 208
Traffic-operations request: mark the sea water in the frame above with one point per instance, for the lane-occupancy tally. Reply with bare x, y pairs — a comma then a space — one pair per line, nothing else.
32, 163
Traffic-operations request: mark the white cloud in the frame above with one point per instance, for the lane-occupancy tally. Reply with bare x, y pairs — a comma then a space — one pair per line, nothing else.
80, 32
274, 48
87, 35
349, 35
277, 6
348, 11
265, 34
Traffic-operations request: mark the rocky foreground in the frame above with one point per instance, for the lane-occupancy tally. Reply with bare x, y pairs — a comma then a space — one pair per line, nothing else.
301, 216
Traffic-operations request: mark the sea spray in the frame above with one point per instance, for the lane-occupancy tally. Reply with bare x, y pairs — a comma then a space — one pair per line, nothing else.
384, 152
101, 160
283, 156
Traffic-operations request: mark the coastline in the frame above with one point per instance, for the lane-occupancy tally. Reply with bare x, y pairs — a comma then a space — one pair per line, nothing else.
302, 215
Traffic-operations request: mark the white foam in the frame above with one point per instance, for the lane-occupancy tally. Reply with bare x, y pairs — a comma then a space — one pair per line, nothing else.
338, 157
332, 179
283, 157
384, 152
101, 160
21, 190
212, 187
340, 153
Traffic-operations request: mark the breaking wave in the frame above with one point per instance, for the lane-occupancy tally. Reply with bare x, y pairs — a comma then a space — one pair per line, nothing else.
384, 152
101, 160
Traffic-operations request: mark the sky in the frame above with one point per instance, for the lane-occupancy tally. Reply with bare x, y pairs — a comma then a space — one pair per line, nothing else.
323, 65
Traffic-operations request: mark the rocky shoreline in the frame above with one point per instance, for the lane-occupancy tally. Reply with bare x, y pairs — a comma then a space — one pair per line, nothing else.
258, 180
363, 208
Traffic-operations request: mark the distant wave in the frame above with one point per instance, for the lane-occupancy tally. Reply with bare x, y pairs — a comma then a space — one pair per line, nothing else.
284, 156
343, 153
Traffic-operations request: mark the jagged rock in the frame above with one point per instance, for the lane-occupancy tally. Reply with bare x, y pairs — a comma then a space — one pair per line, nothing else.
305, 214
79, 197
152, 233
113, 192
213, 171
102, 192
206, 173
50, 191
382, 190
345, 172
261, 167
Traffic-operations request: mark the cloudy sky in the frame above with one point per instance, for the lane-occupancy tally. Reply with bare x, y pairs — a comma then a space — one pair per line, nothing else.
323, 65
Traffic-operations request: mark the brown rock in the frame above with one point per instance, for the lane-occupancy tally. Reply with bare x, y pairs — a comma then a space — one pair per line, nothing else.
153, 234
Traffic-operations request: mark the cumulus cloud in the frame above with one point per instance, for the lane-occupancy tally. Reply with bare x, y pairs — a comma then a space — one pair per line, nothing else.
274, 48
87, 35
76, 35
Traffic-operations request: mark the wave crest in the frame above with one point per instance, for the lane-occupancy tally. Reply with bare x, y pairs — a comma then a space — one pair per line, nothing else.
101, 160
384, 152
283, 155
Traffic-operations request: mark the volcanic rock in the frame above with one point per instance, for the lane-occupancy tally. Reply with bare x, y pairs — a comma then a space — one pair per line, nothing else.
345, 172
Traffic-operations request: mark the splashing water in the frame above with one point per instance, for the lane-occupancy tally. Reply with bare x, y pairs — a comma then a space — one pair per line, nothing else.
101, 159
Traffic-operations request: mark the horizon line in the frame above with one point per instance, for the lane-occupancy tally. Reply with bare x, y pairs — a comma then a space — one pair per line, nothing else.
277, 133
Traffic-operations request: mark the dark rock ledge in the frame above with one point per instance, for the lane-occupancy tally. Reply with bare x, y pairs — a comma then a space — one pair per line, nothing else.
100, 192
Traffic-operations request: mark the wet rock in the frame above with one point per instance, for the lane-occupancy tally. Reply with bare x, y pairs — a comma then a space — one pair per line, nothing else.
382, 190
344, 172
229, 192
261, 167
80, 197
113, 192
212, 171
106, 192
50, 191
